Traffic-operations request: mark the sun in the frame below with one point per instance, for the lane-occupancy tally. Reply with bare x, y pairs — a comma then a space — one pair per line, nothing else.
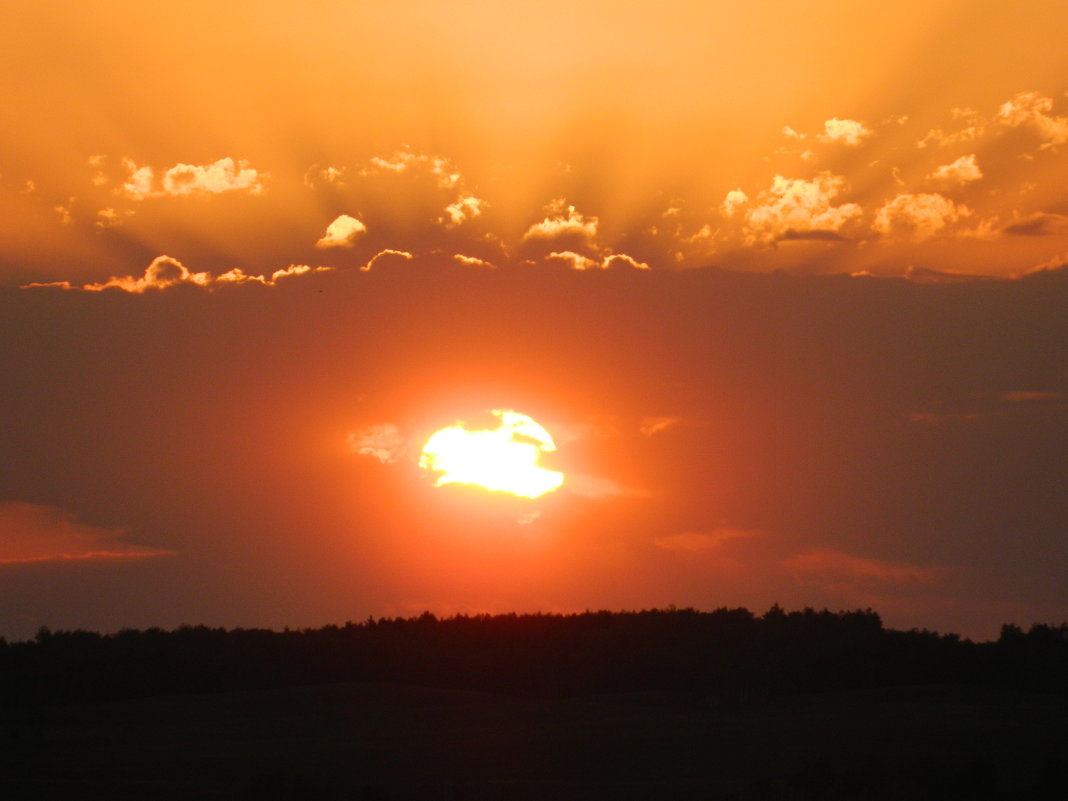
503, 459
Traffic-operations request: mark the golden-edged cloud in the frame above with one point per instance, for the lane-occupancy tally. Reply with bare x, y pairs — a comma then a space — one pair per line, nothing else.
968, 127
464, 208
734, 200
919, 216
406, 160
580, 262
623, 261
964, 170
422, 203
166, 272
185, 180
163, 272
472, 261
111, 217
794, 206
342, 232
563, 223
386, 257
845, 132
1032, 110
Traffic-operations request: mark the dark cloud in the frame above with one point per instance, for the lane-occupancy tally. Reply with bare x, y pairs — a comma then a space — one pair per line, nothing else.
1038, 225
30, 533
793, 235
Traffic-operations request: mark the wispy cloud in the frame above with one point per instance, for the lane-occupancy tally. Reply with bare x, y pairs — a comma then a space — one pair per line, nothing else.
32, 533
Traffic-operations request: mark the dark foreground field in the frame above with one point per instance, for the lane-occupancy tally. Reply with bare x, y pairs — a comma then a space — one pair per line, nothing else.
382, 741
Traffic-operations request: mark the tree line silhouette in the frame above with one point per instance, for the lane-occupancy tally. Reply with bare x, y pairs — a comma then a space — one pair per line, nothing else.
725, 656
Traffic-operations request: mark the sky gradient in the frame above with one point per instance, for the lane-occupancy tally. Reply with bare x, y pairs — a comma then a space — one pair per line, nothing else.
785, 283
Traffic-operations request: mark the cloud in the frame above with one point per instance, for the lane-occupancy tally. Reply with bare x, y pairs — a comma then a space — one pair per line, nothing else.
577, 261
185, 180
1058, 262
63, 212
165, 272
34, 533
796, 205
472, 261
111, 218
386, 257
342, 233
383, 442
937, 418
1038, 225
594, 427
316, 175
445, 174
97, 162
656, 425
984, 230
693, 541
239, 276
971, 128
734, 199
465, 208
138, 184
595, 486
917, 217
564, 222
810, 236
1028, 396
835, 568
623, 261
1032, 110
925, 275
421, 198
223, 175
847, 132
962, 171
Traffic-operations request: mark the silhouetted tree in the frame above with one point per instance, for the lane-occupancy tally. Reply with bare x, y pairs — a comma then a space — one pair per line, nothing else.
725, 656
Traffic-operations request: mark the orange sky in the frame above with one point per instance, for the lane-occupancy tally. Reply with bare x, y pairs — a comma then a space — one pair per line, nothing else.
729, 257
860, 137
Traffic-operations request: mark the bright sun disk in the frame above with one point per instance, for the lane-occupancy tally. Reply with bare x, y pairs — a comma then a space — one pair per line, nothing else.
503, 459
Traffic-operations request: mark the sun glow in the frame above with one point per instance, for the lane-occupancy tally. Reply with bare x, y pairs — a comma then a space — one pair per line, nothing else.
503, 459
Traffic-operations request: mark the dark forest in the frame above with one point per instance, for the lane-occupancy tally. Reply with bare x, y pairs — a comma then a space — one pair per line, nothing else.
673, 703
724, 654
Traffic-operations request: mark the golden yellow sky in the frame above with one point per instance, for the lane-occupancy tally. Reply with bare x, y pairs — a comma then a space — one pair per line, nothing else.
861, 136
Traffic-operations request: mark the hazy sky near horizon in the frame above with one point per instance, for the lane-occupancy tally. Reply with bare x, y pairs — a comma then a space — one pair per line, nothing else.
784, 281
